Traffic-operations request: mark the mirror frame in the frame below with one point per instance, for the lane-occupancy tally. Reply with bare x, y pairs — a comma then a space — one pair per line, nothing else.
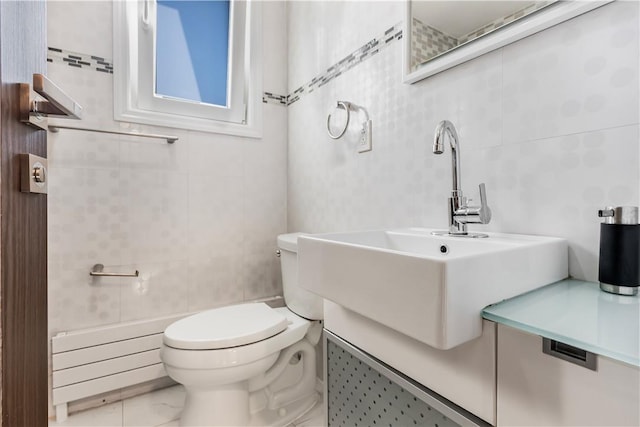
547, 17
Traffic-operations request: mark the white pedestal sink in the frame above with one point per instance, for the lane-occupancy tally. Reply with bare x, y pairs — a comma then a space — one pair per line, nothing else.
431, 288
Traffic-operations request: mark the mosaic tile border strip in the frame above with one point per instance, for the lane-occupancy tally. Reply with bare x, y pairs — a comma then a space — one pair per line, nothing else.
272, 98
354, 58
80, 60
377, 44
97, 63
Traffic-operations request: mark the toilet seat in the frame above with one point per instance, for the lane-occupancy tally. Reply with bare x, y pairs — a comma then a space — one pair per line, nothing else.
222, 358
225, 327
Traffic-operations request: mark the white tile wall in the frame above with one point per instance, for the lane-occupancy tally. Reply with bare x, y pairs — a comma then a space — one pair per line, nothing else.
81, 26
198, 218
320, 33
580, 76
550, 123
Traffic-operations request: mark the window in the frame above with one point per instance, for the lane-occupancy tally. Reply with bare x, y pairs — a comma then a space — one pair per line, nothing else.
192, 50
189, 64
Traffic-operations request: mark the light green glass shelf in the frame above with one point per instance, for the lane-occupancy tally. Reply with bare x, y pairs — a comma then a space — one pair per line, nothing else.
579, 314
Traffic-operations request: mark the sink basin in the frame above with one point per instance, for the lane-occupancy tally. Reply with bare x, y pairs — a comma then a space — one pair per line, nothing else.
431, 288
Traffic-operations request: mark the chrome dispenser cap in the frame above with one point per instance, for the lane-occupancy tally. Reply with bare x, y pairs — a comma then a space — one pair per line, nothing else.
619, 215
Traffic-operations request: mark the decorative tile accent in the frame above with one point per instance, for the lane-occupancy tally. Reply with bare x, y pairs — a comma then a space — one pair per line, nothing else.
354, 58
97, 63
272, 98
80, 60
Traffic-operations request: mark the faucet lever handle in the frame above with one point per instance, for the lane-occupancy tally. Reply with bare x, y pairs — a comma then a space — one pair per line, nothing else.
483, 194
485, 211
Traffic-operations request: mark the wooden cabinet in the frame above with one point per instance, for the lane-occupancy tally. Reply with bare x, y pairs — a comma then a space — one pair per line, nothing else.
538, 389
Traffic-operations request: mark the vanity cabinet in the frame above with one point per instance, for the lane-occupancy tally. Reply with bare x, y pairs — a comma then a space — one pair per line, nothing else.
363, 391
464, 375
502, 378
535, 388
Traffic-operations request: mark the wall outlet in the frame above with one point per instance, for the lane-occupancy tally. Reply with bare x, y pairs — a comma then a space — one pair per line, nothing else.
364, 143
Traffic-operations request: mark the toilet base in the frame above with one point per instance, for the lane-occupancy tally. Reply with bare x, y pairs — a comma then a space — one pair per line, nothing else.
285, 415
224, 406
218, 413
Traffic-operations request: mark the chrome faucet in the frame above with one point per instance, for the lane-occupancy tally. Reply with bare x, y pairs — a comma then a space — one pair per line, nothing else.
460, 213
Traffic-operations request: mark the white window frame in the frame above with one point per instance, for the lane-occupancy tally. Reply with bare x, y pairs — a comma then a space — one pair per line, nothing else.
134, 74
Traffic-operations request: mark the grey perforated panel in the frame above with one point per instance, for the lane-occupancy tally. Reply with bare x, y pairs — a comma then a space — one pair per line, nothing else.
358, 395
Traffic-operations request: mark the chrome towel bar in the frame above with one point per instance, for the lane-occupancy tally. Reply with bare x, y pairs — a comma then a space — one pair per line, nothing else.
57, 103
97, 270
170, 139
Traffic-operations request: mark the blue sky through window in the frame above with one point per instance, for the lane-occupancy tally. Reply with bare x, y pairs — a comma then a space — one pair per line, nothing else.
192, 50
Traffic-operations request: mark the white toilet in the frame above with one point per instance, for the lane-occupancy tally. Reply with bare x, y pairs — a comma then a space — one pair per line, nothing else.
248, 364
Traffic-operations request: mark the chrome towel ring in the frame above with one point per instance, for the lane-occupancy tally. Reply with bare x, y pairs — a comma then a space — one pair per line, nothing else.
346, 106
364, 141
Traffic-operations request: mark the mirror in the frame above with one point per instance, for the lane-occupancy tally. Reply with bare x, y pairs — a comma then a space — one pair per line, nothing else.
439, 26
442, 34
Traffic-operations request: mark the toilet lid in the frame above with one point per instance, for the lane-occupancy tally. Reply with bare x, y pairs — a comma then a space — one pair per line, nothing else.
225, 327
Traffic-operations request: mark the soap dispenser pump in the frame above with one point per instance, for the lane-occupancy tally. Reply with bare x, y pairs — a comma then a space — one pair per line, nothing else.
619, 250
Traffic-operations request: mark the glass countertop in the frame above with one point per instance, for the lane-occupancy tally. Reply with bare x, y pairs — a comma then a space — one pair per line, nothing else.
577, 313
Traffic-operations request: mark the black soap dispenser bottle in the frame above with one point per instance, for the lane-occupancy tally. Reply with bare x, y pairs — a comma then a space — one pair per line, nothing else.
619, 250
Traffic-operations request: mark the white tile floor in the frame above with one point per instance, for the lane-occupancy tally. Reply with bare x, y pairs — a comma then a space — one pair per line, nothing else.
313, 418
160, 408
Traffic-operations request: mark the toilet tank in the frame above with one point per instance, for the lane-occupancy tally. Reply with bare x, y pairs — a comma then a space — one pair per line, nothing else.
300, 301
